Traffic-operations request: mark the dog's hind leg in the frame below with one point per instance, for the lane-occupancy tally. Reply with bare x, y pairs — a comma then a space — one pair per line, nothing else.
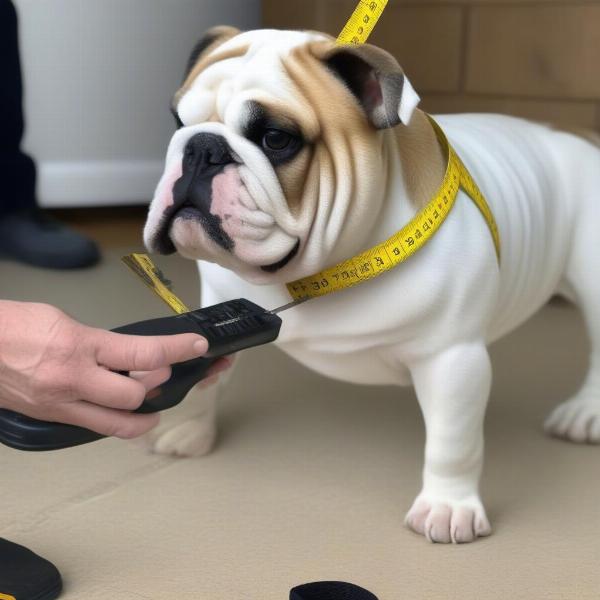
578, 419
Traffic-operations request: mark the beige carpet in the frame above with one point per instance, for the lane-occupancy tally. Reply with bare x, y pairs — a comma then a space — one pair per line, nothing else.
310, 480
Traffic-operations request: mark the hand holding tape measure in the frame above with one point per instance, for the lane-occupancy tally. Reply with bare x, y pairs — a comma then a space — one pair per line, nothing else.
239, 324
229, 327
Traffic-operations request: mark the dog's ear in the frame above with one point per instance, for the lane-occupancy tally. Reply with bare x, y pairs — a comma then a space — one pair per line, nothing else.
377, 80
213, 38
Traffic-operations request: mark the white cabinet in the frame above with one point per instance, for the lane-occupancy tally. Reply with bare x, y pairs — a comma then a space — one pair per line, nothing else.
99, 75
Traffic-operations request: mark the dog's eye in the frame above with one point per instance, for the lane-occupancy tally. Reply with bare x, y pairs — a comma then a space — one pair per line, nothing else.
276, 139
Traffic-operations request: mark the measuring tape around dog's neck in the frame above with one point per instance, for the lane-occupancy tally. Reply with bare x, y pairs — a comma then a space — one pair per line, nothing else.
406, 242
422, 227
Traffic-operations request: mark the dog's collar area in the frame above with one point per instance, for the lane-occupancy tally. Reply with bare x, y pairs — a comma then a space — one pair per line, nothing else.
409, 240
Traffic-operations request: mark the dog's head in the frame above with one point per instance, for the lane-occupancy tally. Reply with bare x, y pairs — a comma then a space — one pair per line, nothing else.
277, 167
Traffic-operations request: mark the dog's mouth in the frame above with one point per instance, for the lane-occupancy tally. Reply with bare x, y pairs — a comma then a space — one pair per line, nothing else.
163, 242
284, 261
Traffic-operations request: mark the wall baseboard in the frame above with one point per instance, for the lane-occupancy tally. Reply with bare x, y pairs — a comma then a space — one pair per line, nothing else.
97, 183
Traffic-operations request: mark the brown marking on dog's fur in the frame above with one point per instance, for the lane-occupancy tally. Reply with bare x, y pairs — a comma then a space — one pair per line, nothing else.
292, 177
374, 77
423, 161
297, 115
344, 143
207, 58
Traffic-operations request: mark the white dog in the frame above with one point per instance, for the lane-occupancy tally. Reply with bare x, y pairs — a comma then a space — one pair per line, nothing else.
295, 153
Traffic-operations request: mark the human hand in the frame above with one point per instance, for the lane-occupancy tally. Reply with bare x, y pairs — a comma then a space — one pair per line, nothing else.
56, 369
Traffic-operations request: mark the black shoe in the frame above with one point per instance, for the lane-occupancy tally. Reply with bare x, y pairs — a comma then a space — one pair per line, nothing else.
25, 575
36, 239
330, 590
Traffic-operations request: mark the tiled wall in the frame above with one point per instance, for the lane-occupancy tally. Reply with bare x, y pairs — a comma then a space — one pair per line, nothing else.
535, 58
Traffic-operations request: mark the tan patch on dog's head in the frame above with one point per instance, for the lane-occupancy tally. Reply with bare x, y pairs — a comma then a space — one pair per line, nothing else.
338, 124
334, 131
331, 121
204, 57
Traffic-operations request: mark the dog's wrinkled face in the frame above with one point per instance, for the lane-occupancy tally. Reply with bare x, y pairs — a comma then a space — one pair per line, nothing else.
276, 169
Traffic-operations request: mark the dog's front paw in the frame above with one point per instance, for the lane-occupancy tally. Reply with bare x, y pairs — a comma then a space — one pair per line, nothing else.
577, 420
194, 437
445, 521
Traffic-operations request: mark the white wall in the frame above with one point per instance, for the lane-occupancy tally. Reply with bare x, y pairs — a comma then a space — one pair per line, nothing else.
99, 75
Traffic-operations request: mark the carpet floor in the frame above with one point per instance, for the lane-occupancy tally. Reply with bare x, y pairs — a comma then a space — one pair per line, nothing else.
310, 479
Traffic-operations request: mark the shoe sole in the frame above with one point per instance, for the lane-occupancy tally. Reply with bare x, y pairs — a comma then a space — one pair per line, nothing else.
50, 594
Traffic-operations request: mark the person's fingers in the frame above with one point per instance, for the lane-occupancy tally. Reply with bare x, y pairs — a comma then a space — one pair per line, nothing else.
152, 379
212, 375
220, 365
146, 353
105, 421
207, 382
112, 390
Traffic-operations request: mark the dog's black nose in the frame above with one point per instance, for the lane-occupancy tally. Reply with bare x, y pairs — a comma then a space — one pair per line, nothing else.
205, 156
205, 152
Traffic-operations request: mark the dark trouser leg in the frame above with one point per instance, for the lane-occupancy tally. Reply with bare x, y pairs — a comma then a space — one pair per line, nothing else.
27, 235
17, 170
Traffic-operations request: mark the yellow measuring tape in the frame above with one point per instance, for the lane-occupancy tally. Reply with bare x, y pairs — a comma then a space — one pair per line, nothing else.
421, 228
361, 23
144, 268
408, 240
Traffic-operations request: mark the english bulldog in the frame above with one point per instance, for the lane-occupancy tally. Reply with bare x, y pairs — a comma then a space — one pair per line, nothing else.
294, 153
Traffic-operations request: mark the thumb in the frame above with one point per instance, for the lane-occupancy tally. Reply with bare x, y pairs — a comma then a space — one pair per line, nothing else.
146, 353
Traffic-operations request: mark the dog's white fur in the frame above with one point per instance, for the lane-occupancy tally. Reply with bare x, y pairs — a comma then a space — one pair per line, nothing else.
428, 322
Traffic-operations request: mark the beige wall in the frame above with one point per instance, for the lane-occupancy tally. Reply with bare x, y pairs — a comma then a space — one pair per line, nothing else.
534, 58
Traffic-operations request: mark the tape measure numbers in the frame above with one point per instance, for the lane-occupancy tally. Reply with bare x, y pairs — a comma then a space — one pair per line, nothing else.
362, 22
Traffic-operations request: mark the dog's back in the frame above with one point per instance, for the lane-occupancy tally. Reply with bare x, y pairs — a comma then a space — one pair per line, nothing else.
536, 179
